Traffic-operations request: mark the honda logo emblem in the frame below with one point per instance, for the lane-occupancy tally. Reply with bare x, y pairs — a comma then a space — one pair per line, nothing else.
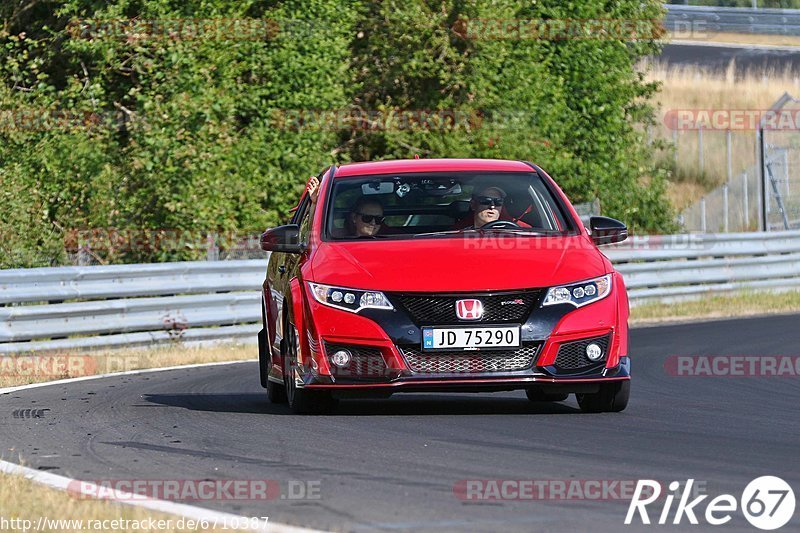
469, 309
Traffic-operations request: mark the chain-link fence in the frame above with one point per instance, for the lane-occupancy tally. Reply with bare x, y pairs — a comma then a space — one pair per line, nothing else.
761, 190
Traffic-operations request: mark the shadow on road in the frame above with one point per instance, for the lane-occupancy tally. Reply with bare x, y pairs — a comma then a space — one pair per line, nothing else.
401, 405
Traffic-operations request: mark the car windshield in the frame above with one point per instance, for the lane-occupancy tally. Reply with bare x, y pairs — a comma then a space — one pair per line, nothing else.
409, 206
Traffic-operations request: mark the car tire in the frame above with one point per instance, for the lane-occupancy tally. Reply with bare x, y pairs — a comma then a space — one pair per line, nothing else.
538, 395
302, 401
611, 398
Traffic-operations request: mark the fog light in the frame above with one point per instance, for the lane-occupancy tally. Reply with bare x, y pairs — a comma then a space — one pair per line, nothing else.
593, 352
341, 358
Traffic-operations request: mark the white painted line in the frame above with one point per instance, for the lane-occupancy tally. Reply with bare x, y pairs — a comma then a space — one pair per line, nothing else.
713, 44
121, 497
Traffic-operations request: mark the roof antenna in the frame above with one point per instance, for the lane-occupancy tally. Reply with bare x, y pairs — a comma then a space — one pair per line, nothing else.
416, 156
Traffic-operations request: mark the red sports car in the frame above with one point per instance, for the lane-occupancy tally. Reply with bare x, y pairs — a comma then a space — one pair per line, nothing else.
442, 275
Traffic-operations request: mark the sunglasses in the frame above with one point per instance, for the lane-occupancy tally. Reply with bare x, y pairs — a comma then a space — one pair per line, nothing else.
369, 219
489, 200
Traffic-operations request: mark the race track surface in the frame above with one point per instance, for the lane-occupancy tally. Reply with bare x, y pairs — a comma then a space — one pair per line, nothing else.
392, 464
717, 58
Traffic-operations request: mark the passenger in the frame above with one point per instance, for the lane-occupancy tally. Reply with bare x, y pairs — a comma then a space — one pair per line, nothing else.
364, 220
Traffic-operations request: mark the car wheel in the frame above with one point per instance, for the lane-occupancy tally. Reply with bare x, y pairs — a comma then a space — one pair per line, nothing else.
538, 395
612, 398
302, 401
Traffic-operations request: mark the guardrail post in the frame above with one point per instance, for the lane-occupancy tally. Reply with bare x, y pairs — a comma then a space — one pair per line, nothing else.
761, 177
725, 221
703, 214
746, 202
213, 251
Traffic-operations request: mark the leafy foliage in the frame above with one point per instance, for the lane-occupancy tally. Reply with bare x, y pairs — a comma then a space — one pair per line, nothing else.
109, 128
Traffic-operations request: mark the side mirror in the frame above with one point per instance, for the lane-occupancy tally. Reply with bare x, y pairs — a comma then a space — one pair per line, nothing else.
283, 239
607, 230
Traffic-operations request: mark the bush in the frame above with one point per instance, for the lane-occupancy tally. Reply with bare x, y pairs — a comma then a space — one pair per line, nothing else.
166, 133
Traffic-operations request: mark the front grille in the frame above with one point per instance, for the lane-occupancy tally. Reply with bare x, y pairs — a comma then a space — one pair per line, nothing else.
498, 308
469, 362
366, 362
572, 355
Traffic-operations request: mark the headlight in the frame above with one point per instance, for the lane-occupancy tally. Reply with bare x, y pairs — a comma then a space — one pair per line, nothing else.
352, 300
579, 294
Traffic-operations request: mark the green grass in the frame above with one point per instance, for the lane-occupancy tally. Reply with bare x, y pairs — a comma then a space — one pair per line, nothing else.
736, 305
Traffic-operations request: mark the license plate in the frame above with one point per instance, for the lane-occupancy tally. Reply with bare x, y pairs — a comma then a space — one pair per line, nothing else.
470, 338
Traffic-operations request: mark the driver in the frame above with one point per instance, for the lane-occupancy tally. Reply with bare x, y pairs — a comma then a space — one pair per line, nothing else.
485, 206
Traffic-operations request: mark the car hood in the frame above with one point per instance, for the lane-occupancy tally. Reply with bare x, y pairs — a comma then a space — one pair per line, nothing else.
439, 264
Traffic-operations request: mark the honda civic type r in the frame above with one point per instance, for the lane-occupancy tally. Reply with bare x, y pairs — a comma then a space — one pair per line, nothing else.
465, 275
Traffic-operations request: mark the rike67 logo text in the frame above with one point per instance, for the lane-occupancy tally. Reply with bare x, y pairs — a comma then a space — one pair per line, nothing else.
767, 502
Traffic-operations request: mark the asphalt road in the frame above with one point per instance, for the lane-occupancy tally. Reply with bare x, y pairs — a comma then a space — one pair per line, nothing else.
393, 464
717, 58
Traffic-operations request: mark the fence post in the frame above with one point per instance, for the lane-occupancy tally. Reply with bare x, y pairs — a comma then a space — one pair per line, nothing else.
729, 149
786, 171
700, 146
746, 202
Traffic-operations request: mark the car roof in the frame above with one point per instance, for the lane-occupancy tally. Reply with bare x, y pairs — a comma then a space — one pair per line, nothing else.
430, 165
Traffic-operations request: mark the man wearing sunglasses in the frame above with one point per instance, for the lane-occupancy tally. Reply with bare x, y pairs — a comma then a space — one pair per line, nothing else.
486, 206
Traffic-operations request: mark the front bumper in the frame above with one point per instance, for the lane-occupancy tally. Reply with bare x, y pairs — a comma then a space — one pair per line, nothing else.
483, 383
385, 346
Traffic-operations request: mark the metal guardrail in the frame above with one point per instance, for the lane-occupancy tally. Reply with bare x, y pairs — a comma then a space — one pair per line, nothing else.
69, 308
695, 19
679, 267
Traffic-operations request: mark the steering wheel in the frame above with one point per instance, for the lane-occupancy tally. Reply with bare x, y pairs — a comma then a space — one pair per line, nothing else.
501, 224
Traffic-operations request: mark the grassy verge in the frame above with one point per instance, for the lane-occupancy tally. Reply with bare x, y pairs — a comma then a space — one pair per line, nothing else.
738, 38
23, 500
737, 305
78, 364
